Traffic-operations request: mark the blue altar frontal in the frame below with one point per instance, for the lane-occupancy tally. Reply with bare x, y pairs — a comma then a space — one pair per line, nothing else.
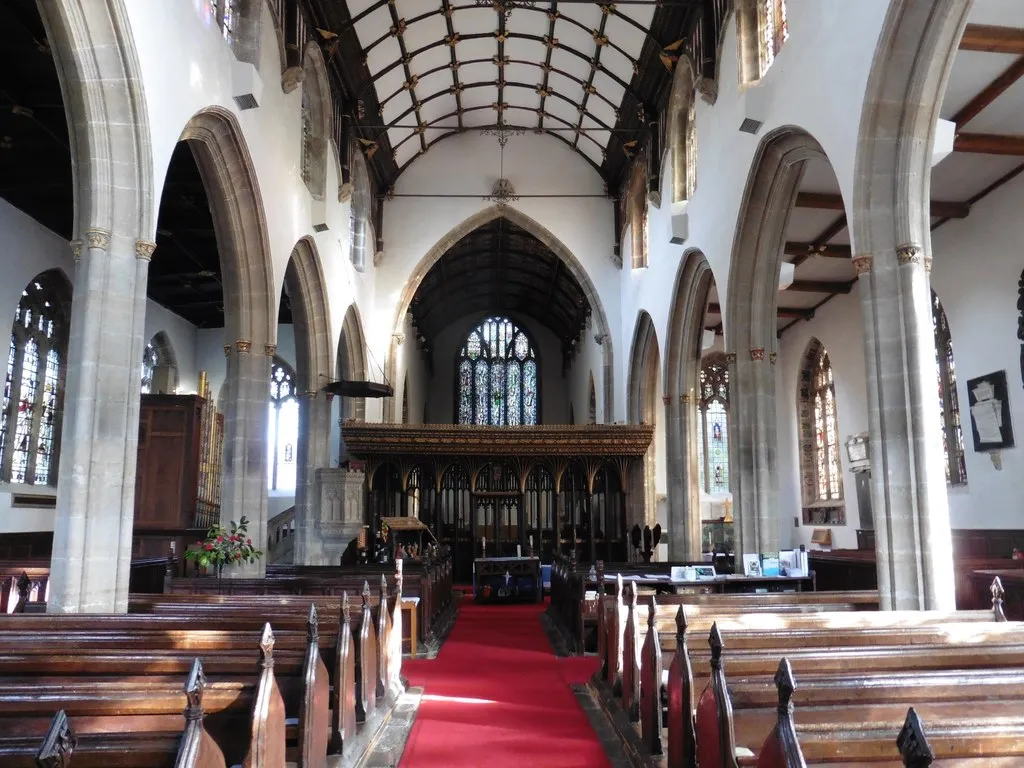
507, 579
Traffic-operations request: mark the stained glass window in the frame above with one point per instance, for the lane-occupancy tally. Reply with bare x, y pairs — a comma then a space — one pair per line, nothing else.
497, 376
283, 430
150, 361
949, 405
223, 12
691, 149
33, 389
774, 30
820, 405
713, 442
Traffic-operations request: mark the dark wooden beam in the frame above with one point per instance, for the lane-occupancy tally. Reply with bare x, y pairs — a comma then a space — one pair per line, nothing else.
819, 286
824, 201
995, 89
991, 39
812, 249
989, 144
787, 312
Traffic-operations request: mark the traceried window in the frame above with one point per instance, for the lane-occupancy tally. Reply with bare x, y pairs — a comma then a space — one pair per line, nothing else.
691, 148
150, 361
496, 373
949, 405
819, 429
283, 430
33, 391
713, 442
634, 212
774, 30
224, 14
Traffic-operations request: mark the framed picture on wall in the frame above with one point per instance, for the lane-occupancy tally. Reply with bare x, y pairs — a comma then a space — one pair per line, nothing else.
990, 412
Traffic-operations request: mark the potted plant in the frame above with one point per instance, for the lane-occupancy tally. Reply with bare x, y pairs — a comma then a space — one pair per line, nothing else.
225, 547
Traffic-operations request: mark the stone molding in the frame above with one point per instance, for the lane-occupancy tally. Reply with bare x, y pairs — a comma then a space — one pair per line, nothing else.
600, 338
76, 249
399, 338
270, 350
757, 353
98, 238
861, 264
910, 254
244, 346
144, 250
773, 357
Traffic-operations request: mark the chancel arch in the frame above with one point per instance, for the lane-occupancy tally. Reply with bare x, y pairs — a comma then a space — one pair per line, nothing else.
693, 331
472, 239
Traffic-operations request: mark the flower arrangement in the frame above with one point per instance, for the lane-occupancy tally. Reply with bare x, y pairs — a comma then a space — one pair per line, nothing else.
223, 547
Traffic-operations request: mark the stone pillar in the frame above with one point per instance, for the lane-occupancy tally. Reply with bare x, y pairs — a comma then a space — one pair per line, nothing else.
244, 482
675, 470
691, 474
92, 539
908, 489
314, 452
753, 451
341, 497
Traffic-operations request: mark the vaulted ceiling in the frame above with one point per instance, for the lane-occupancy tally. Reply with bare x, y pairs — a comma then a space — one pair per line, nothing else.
592, 74
501, 268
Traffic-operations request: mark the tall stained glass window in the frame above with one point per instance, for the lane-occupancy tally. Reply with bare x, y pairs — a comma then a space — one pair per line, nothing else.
949, 405
283, 430
820, 462
224, 14
496, 373
33, 390
713, 445
150, 361
774, 30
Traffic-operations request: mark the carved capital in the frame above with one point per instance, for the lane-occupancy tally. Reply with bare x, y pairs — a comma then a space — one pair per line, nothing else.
928, 264
667, 399
144, 250
76, 249
730, 358
227, 350
270, 350
398, 338
861, 264
345, 192
600, 338
97, 238
757, 353
378, 257
684, 399
910, 254
244, 346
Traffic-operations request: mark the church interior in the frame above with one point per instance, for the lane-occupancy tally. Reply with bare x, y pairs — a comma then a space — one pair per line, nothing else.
561, 383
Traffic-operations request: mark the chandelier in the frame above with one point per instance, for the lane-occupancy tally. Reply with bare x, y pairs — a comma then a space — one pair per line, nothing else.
503, 133
503, 193
506, 6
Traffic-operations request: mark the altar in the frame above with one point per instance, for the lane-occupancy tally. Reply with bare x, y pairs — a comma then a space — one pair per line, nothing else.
507, 579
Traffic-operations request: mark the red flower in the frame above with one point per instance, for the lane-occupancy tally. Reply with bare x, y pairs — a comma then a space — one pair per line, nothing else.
209, 547
220, 539
248, 542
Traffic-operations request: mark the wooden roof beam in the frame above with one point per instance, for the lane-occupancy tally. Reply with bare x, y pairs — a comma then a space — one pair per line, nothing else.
993, 91
989, 144
813, 249
824, 201
991, 39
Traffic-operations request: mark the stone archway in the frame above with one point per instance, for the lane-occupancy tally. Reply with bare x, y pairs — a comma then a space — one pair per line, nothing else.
644, 386
750, 332
307, 289
351, 362
892, 245
114, 229
602, 331
250, 313
683, 356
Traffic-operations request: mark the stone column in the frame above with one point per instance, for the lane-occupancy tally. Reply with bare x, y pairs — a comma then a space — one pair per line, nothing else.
675, 466
313, 453
753, 451
691, 475
92, 540
244, 482
908, 488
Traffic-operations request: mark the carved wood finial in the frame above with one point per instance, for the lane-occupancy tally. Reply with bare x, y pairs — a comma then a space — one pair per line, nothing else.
680, 626
267, 646
912, 743
312, 625
366, 594
194, 687
383, 587
24, 585
344, 609
652, 615
59, 743
785, 684
632, 595
618, 585
600, 578
997, 598
715, 641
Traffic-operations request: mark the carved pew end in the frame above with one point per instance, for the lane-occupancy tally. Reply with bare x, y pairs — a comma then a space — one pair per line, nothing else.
59, 743
912, 743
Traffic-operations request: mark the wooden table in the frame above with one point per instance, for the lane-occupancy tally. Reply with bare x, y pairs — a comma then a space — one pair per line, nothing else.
507, 579
719, 584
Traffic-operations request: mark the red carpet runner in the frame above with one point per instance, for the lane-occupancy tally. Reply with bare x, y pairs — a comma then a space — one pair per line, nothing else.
496, 696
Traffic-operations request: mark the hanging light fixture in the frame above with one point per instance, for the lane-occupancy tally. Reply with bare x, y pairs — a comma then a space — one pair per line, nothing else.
503, 193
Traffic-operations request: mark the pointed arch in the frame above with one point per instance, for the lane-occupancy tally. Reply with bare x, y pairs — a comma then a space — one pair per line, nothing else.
351, 362
821, 469
683, 352
239, 221
644, 371
306, 286
159, 365
317, 116
602, 330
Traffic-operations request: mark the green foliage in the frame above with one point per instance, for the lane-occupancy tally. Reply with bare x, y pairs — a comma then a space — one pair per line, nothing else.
223, 547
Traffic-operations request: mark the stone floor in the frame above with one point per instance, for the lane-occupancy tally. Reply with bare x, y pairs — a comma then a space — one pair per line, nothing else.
387, 750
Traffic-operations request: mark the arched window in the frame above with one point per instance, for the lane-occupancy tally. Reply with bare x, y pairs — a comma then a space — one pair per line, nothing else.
713, 445
150, 361
949, 405
682, 130
316, 122
691, 148
224, 14
34, 389
359, 212
819, 428
762, 30
497, 376
283, 430
634, 210
774, 30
